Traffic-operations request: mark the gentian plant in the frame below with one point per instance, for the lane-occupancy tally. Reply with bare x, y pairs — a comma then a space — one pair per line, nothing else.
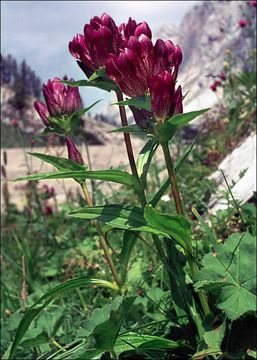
208, 296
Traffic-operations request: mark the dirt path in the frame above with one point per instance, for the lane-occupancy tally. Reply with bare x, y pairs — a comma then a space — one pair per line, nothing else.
102, 157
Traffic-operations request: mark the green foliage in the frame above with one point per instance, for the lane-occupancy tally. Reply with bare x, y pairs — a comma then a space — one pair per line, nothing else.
102, 84
213, 340
104, 324
116, 176
183, 119
139, 102
47, 298
176, 226
171, 299
117, 216
229, 272
61, 164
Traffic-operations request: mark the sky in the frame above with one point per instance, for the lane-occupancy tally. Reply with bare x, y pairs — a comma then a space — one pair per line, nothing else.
39, 31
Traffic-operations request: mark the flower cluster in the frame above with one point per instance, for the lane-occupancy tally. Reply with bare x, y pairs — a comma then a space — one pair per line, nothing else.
131, 60
61, 101
222, 76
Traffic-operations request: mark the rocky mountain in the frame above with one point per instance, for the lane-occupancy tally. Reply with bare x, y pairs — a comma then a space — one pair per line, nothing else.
94, 128
206, 34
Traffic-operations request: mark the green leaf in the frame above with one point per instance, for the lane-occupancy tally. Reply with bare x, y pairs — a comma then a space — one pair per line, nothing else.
132, 344
48, 297
144, 159
117, 176
106, 333
160, 343
106, 85
35, 341
76, 115
176, 226
128, 243
98, 73
205, 227
118, 216
139, 102
61, 164
213, 340
230, 269
104, 324
183, 119
177, 167
127, 129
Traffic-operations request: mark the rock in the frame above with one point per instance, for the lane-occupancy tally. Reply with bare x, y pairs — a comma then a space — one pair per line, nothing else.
242, 161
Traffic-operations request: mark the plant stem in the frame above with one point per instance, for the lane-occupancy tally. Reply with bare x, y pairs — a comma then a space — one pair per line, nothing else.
133, 168
127, 138
101, 237
173, 179
179, 208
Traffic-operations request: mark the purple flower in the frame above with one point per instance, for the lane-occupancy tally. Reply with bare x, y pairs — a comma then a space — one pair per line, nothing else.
42, 111
60, 100
101, 38
214, 85
242, 23
165, 100
73, 152
141, 59
79, 50
134, 29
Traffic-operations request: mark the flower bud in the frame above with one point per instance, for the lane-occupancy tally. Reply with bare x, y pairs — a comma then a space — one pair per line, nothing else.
134, 29
102, 38
178, 101
242, 23
60, 100
73, 152
79, 50
164, 100
42, 112
141, 117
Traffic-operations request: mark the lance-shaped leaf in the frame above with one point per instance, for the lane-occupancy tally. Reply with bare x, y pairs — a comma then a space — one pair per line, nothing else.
231, 269
118, 216
60, 163
144, 158
128, 243
184, 118
46, 299
99, 73
176, 226
139, 102
76, 115
117, 176
107, 85
133, 128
